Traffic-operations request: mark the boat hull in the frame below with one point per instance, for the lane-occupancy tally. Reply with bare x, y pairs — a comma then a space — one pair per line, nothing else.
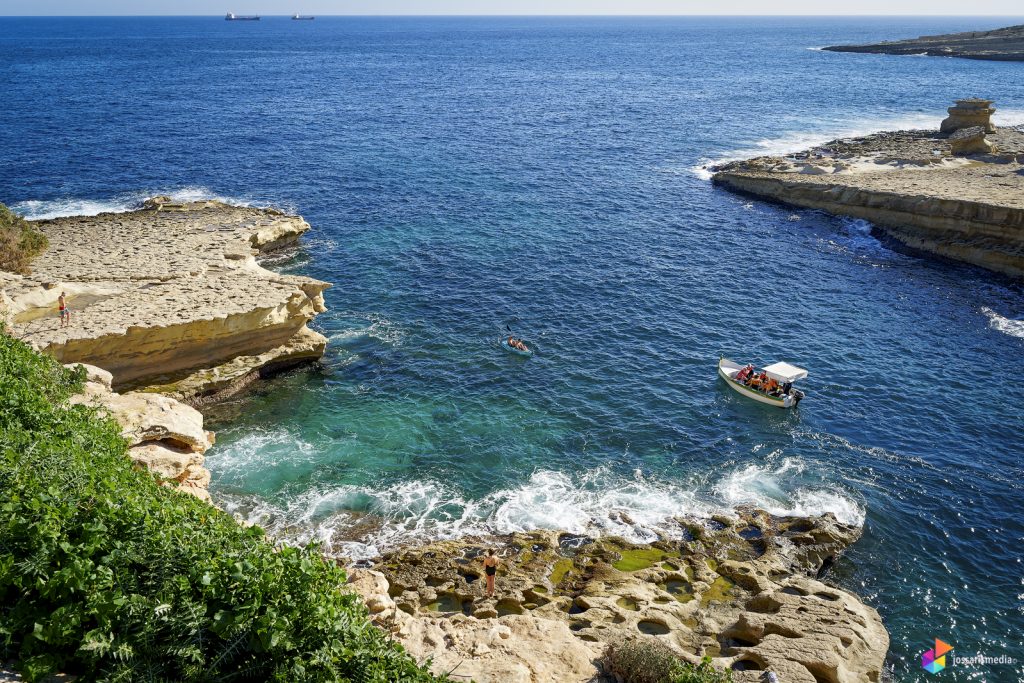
726, 369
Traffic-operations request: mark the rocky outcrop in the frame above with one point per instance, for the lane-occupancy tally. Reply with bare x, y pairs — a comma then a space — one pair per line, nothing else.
969, 113
1002, 44
164, 436
747, 592
912, 185
970, 141
170, 295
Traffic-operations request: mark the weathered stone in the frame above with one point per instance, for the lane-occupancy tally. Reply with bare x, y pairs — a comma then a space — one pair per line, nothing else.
969, 113
966, 141
158, 296
740, 592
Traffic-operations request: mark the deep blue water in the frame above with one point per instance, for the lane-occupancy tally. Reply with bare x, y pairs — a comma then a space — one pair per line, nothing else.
464, 174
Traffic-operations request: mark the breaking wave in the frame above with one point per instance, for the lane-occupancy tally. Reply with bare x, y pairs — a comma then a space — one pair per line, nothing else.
1010, 326
75, 206
826, 130
358, 521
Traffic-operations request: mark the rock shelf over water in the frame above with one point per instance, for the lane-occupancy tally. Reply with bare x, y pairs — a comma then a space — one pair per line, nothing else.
1003, 44
748, 592
170, 297
958, 193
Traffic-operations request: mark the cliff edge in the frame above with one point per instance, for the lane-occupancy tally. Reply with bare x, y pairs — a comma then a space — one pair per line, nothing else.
170, 298
957, 192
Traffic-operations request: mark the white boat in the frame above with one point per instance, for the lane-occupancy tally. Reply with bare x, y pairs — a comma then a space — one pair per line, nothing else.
783, 373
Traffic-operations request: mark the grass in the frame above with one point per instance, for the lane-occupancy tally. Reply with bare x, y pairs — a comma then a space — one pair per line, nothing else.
106, 575
19, 242
644, 660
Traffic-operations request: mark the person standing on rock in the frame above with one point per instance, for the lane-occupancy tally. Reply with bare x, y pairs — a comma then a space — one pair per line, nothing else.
490, 569
65, 312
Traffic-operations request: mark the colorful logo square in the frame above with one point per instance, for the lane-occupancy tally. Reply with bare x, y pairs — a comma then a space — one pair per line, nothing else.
933, 661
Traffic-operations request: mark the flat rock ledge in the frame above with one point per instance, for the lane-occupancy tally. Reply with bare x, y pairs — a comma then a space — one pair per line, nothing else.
748, 591
171, 296
937, 192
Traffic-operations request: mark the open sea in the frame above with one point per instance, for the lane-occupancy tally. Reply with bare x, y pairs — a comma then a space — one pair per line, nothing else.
464, 174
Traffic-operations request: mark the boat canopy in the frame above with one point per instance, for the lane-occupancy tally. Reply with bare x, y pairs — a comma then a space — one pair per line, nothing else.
784, 372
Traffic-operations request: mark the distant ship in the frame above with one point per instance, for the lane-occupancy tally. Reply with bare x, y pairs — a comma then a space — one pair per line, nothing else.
297, 17
239, 17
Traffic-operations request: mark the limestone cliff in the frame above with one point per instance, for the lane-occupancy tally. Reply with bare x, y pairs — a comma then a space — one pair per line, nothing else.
746, 591
912, 186
164, 436
171, 295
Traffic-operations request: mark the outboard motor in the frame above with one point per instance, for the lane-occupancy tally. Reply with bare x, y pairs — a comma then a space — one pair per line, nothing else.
797, 396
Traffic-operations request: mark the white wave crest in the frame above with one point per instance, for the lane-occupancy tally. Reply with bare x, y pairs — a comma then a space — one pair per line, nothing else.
1010, 326
76, 206
360, 521
815, 133
778, 491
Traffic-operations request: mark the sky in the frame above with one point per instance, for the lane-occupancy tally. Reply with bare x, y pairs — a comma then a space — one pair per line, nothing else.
528, 7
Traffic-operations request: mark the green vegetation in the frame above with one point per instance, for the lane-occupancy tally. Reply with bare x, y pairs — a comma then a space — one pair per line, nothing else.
641, 558
107, 575
19, 242
648, 661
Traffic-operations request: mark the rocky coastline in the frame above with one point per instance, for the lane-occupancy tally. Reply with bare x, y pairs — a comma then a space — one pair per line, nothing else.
1001, 44
749, 591
957, 192
172, 310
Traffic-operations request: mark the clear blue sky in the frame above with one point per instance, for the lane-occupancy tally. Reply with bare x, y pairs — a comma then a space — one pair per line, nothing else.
757, 7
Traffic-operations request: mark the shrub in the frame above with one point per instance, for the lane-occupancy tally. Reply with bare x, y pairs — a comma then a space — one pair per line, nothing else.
107, 575
19, 242
648, 661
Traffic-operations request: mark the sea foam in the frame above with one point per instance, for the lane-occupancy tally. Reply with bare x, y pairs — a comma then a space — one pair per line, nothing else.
1010, 326
76, 206
361, 521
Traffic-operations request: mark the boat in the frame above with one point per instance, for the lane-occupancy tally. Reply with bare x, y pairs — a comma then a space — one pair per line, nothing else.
783, 373
298, 17
518, 352
241, 17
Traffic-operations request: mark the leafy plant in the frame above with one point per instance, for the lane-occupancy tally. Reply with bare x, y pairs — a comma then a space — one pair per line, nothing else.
109, 576
648, 661
19, 242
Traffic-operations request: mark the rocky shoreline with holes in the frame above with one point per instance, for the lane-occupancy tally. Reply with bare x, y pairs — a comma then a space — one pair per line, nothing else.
749, 591
956, 192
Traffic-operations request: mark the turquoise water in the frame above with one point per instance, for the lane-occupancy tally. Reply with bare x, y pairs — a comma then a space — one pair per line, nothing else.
465, 174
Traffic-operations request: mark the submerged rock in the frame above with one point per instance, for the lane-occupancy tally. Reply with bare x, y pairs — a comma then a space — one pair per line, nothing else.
746, 592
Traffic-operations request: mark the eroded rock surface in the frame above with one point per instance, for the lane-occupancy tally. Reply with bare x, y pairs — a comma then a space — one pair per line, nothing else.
959, 196
170, 295
165, 436
743, 591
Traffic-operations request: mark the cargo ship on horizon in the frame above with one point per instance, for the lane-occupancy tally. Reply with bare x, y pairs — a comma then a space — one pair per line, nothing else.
238, 17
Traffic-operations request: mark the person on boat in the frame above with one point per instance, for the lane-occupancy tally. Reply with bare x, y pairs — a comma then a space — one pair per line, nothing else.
517, 344
772, 385
744, 373
490, 569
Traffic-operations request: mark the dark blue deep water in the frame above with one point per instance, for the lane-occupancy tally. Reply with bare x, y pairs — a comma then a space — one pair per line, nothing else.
464, 174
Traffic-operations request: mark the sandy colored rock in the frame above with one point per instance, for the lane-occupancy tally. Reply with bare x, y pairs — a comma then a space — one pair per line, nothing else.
969, 113
968, 141
912, 187
744, 591
164, 435
163, 293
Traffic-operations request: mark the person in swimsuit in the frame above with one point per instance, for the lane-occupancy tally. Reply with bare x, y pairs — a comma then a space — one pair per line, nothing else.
490, 569
517, 344
65, 312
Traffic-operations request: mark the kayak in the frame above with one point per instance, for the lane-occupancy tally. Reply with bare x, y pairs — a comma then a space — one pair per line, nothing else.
518, 352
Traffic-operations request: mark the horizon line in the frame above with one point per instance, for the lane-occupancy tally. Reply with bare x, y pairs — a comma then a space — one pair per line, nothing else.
498, 16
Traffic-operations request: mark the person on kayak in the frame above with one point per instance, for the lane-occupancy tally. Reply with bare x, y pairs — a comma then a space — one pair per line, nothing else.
517, 344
